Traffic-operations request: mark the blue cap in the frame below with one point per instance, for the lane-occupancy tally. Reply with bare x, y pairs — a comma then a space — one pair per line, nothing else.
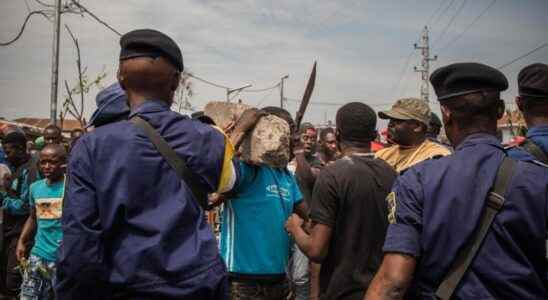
111, 106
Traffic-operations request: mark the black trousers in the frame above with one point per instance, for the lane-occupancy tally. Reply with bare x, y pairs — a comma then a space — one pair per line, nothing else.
10, 278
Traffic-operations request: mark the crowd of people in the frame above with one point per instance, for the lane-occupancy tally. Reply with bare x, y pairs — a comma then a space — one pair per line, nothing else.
120, 210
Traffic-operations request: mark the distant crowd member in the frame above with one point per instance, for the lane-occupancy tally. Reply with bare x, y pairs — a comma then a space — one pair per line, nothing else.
434, 128
409, 119
307, 168
53, 134
442, 210
15, 206
533, 103
348, 209
328, 146
309, 138
253, 243
132, 229
112, 106
75, 134
43, 226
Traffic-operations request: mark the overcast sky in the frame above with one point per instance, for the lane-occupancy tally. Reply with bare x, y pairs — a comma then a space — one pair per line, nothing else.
361, 46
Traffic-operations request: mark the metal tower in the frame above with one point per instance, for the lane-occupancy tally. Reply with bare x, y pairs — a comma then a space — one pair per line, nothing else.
424, 69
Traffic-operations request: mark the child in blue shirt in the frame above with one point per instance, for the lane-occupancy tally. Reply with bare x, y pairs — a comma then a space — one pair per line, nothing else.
46, 203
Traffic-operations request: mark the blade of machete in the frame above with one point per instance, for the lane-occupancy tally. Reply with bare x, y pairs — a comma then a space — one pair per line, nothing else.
306, 98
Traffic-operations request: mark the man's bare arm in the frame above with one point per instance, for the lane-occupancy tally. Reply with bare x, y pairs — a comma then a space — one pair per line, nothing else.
301, 209
316, 245
26, 235
393, 278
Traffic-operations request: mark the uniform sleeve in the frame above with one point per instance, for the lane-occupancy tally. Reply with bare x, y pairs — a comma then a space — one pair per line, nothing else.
324, 200
18, 205
80, 264
405, 204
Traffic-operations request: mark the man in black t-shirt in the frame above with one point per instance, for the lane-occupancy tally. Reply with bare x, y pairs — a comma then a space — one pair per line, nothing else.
348, 210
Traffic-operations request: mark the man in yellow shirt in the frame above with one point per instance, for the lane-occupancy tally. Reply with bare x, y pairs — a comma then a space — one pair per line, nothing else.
407, 129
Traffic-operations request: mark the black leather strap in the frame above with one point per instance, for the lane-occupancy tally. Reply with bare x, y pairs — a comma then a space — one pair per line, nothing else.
534, 149
185, 174
495, 202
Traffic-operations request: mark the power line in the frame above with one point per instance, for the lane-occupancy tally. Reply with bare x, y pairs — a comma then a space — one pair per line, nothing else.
263, 89
44, 4
443, 12
402, 73
36, 12
84, 9
523, 56
208, 82
436, 11
469, 26
264, 98
340, 103
450, 22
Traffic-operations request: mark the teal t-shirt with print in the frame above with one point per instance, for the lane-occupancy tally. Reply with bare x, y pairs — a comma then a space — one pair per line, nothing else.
253, 237
48, 203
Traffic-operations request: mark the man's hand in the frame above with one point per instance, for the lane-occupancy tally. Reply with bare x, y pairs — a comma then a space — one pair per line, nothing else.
293, 223
248, 119
297, 144
20, 251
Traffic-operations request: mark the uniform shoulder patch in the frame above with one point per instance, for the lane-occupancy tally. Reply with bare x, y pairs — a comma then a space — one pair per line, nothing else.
391, 199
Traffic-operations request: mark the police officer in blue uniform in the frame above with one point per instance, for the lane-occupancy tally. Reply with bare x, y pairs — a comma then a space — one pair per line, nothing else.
533, 103
437, 207
132, 229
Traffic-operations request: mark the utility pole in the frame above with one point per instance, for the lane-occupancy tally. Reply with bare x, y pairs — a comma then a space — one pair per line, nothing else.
282, 99
425, 64
55, 62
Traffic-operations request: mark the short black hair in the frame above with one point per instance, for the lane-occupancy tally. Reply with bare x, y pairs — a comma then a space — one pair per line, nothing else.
474, 110
54, 127
281, 113
15, 138
356, 123
62, 151
325, 131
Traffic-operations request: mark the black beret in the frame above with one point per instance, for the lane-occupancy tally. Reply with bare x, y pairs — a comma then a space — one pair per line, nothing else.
533, 81
150, 43
466, 78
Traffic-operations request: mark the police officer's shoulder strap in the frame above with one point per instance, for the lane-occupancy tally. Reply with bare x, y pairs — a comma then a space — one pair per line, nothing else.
178, 164
534, 149
495, 202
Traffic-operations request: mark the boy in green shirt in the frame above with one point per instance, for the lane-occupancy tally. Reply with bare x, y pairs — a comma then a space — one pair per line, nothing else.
46, 202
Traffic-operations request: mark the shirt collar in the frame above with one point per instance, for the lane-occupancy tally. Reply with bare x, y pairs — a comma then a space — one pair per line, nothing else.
149, 106
541, 130
479, 138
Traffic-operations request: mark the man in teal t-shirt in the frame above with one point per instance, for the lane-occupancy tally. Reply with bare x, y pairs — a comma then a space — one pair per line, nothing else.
46, 203
254, 244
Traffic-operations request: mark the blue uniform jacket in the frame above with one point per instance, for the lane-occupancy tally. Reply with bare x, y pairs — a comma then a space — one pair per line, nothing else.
539, 135
438, 205
131, 229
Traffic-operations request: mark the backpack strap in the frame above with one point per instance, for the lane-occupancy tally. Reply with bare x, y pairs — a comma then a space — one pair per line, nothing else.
495, 202
186, 175
532, 148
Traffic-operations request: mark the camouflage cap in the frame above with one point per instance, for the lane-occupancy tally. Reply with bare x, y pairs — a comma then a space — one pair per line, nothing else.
408, 109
